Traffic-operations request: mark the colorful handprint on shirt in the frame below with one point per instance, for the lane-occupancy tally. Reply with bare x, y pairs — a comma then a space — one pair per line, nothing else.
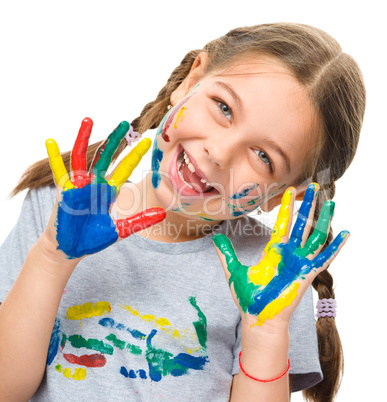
95, 353
84, 225
265, 289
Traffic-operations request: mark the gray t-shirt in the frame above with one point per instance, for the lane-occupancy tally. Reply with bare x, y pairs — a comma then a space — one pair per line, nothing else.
145, 320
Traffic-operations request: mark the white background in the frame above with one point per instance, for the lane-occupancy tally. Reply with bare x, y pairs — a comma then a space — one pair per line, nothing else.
63, 61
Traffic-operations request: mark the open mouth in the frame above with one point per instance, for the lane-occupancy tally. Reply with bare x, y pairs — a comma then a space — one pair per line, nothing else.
189, 180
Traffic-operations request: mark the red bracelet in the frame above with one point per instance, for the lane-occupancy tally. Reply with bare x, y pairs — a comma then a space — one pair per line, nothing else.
257, 379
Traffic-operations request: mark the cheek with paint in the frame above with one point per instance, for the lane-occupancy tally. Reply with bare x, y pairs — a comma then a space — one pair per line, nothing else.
165, 129
265, 289
178, 112
245, 201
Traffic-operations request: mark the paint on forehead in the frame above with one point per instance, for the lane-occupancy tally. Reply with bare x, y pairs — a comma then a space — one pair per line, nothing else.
171, 115
243, 193
157, 156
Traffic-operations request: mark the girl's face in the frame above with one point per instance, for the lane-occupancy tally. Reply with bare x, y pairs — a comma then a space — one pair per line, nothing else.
233, 141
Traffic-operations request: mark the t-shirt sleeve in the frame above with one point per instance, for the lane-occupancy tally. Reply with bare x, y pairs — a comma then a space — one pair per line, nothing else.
31, 223
303, 350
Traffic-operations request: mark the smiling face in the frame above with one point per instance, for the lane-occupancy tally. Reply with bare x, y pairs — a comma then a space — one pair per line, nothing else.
233, 141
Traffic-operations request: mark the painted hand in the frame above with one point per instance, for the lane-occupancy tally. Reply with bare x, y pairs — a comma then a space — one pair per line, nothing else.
83, 222
288, 265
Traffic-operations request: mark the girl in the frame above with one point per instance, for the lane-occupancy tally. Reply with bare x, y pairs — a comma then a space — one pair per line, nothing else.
241, 124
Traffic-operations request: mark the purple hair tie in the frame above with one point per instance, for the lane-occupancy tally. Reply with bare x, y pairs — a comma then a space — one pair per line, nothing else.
132, 136
326, 308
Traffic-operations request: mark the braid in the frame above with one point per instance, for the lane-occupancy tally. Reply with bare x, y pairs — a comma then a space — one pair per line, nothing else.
330, 349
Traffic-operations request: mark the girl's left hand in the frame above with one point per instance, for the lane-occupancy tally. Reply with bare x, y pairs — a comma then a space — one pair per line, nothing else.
275, 286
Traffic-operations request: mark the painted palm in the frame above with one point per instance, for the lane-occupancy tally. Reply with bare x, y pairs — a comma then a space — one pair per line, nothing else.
83, 224
265, 289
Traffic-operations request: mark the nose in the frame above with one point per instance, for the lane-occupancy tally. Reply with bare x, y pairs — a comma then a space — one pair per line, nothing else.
220, 151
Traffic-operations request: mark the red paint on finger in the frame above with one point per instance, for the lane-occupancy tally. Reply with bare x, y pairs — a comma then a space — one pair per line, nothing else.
78, 154
140, 221
95, 360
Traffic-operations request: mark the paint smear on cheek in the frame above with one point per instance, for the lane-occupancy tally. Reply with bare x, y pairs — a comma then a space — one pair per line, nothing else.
157, 157
171, 116
180, 116
245, 192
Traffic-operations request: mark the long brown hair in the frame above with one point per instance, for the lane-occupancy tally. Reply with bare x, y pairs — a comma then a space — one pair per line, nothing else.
335, 86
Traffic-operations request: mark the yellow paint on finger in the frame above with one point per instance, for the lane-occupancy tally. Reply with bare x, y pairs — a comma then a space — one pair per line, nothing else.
58, 168
281, 225
129, 163
262, 273
180, 116
276, 306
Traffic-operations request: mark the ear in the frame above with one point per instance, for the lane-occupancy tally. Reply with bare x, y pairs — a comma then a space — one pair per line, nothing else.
198, 69
276, 200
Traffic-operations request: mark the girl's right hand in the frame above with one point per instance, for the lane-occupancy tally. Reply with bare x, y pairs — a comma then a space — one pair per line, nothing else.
81, 224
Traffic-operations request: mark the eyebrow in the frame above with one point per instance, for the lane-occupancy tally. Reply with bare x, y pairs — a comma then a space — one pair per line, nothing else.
279, 150
231, 91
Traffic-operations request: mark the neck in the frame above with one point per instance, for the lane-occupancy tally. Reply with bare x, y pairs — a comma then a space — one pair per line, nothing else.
176, 227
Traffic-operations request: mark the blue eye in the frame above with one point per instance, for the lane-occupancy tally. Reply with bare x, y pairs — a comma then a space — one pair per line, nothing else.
263, 157
224, 109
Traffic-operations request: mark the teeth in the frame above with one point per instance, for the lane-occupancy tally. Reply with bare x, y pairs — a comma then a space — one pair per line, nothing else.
182, 179
192, 169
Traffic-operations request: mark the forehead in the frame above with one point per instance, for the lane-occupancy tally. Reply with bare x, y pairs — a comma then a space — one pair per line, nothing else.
265, 78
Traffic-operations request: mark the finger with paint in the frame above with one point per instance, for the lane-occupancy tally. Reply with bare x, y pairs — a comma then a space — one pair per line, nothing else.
80, 176
105, 152
304, 220
264, 290
129, 163
83, 224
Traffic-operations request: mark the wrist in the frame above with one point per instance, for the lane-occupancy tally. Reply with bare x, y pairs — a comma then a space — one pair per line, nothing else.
46, 254
265, 350
273, 332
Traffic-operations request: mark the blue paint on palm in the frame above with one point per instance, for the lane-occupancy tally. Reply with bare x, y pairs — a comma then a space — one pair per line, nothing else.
84, 225
290, 269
